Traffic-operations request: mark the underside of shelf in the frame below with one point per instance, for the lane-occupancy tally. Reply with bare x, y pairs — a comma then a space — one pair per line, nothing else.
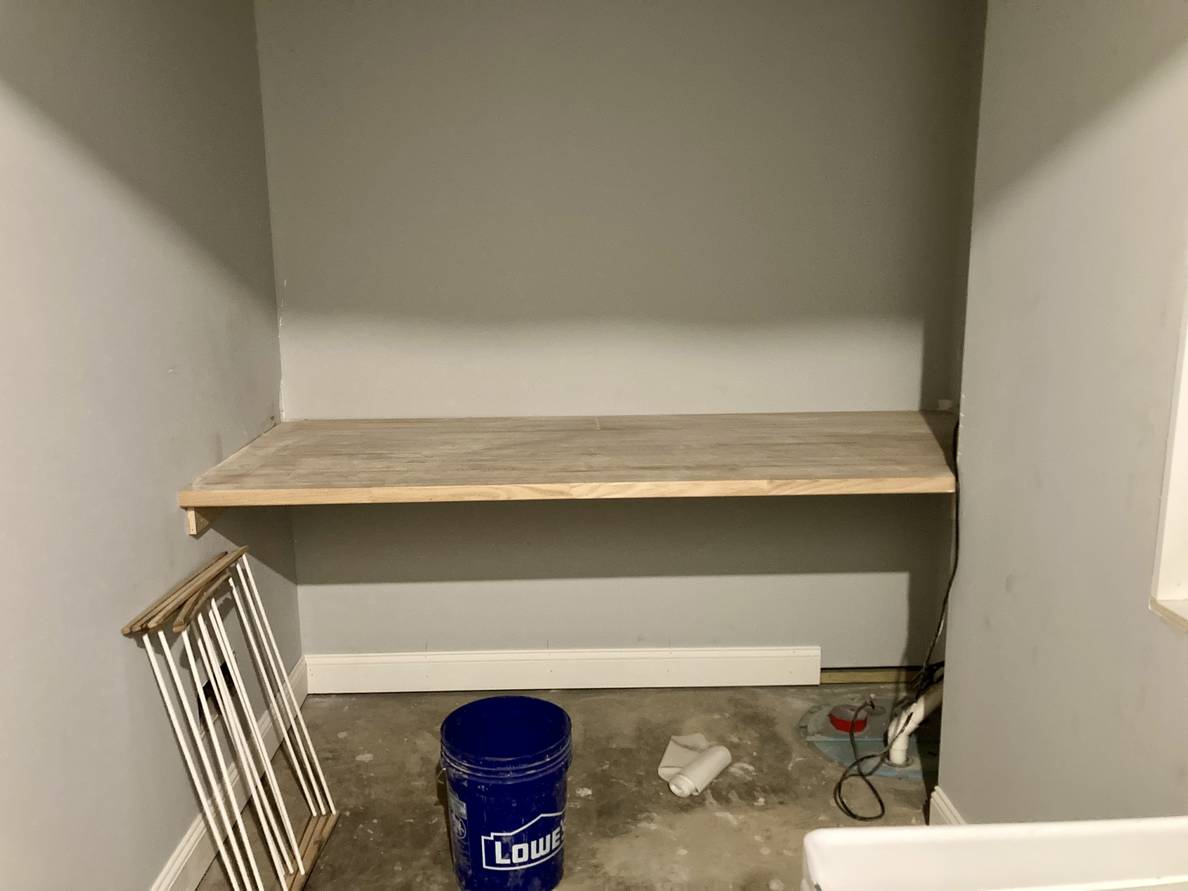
630, 456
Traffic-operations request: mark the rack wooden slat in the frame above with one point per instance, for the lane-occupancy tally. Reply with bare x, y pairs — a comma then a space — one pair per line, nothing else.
629, 456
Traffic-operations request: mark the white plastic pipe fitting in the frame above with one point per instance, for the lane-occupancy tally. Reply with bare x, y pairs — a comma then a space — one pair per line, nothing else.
904, 724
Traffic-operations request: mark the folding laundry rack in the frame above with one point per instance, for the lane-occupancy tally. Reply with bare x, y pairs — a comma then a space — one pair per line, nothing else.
226, 783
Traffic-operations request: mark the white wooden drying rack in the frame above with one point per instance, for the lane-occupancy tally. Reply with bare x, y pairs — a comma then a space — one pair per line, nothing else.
226, 783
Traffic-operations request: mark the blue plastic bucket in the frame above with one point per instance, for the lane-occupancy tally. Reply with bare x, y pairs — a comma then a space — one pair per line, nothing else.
505, 760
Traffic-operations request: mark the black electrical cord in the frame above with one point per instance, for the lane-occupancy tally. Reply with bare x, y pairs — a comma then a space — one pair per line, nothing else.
854, 770
922, 677
930, 674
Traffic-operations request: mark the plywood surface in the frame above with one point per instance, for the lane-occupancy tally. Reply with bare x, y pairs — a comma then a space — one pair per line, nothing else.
630, 456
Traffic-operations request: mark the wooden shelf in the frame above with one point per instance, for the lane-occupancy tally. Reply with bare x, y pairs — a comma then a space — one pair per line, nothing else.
631, 456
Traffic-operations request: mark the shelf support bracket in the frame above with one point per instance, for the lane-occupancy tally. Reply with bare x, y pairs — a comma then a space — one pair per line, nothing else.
198, 519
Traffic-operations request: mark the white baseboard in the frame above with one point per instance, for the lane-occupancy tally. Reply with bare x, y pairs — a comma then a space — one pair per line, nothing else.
299, 681
563, 669
196, 851
942, 811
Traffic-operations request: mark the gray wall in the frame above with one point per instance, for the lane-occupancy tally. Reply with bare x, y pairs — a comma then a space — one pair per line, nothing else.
140, 346
565, 208
858, 576
535, 207
1065, 695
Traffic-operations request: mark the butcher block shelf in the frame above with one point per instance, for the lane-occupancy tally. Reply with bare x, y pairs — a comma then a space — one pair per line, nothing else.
628, 456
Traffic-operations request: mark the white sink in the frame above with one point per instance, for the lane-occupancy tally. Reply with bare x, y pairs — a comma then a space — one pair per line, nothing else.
1095, 855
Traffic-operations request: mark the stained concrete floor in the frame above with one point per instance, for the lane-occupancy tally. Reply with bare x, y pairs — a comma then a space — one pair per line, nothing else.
624, 829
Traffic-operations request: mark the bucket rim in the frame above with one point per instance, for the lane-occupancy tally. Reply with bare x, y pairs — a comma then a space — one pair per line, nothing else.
459, 752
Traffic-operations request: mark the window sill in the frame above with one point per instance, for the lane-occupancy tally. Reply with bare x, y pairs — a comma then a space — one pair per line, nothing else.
1174, 612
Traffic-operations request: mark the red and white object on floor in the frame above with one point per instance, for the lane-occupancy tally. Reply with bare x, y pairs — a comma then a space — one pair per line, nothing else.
847, 718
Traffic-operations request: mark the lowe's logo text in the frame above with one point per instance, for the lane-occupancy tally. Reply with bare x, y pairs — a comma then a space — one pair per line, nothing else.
535, 842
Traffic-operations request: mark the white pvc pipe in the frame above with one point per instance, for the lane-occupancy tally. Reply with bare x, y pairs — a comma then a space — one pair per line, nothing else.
279, 681
286, 687
220, 631
247, 768
228, 788
199, 787
278, 719
246, 716
700, 772
904, 724
218, 797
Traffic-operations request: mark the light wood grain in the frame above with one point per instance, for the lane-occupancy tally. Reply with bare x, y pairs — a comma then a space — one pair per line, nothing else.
198, 521
633, 456
176, 594
197, 600
313, 839
216, 568
156, 615
896, 675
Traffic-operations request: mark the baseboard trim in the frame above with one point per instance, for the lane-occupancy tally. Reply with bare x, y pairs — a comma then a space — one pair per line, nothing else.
196, 851
563, 669
942, 811
299, 681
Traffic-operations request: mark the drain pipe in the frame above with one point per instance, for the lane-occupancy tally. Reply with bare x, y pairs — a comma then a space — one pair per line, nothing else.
904, 724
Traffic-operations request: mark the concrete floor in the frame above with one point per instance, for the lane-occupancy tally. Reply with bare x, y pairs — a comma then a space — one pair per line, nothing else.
624, 829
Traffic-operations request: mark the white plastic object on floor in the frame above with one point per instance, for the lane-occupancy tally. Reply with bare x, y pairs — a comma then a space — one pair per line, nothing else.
1094, 855
904, 724
700, 772
691, 763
